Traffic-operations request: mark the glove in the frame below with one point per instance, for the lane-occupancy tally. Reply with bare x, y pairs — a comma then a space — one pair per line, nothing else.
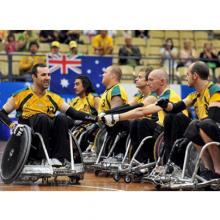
110, 120
163, 103
18, 130
101, 115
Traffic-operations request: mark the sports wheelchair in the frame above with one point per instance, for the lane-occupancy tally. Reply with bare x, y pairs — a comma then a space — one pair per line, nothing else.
170, 176
85, 133
16, 166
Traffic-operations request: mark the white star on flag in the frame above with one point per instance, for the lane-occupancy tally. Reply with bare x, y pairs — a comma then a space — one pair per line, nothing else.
64, 83
97, 62
97, 85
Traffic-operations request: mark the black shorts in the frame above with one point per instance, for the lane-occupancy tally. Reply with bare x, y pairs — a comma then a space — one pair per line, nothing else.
211, 128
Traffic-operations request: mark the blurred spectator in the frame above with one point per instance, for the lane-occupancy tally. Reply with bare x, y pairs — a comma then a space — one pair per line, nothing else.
126, 33
54, 50
10, 43
3, 35
210, 58
168, 55
74, 35
207, 55
141, 33
73, 49
112, 33
25, 38
90, 34
62, 36
102, 43
187, 54
129, 54
48, 36
27, 62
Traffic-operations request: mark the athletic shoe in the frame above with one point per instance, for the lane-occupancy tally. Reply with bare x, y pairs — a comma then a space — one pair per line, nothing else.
209, 175
54, 162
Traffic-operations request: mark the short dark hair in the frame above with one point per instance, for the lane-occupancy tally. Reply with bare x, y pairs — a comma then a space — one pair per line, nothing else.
146, 71
87, 84
34, 68
33, 43
201, 69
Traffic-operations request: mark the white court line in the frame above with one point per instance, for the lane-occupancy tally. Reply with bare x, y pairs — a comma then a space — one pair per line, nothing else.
91, 187
97, 187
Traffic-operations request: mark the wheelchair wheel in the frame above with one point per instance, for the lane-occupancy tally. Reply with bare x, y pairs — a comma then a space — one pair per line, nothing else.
99, 139
193, 157
15, 156
158, 146
88, 136
77, 153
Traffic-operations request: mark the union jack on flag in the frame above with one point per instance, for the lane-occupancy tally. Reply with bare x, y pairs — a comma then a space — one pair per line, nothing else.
64, 71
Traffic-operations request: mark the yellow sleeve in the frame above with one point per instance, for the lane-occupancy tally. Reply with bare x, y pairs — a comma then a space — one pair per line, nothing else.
25, 63
59, 101
110, 40
39, 59
191, 97
215, 97
17, 98
95, 42
73, 102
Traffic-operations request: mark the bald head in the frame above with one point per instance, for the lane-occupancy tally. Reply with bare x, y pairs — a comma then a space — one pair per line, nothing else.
116, 70
201, 69
160, 74
158, 80
112, 75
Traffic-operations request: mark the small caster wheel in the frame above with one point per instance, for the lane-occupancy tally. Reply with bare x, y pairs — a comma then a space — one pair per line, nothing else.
158, 187
72, 180
97, 172
107, 174
127, 179
77, 179
45, 180
116, 177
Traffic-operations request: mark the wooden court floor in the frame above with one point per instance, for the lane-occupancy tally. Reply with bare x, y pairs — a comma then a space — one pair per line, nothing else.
89, 183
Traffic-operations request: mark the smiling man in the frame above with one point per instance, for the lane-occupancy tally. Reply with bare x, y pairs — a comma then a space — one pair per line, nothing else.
37, 107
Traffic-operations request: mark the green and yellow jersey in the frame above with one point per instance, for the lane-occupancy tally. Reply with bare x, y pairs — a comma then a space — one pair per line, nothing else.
106, 97
201, 100
27, 103
173, 98
85, 104
139, 97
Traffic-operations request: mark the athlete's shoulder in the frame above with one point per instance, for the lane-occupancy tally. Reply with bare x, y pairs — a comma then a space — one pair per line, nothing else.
138, 94
94, 94
166, 94
20, 91
213, 88
53, 94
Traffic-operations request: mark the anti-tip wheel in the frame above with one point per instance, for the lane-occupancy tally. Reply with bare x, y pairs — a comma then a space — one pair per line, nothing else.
127, 179
97, 172
116, 177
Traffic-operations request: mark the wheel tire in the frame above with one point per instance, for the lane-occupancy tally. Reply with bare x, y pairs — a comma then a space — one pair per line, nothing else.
97, 172
116, 177
127, 179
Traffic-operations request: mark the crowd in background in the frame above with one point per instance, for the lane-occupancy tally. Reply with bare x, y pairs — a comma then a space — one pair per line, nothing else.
102, 43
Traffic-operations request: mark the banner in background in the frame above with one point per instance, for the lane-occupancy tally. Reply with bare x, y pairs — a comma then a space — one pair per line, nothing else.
64, 71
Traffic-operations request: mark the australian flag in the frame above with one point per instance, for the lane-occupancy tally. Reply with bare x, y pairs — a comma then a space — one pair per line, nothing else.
64, 70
